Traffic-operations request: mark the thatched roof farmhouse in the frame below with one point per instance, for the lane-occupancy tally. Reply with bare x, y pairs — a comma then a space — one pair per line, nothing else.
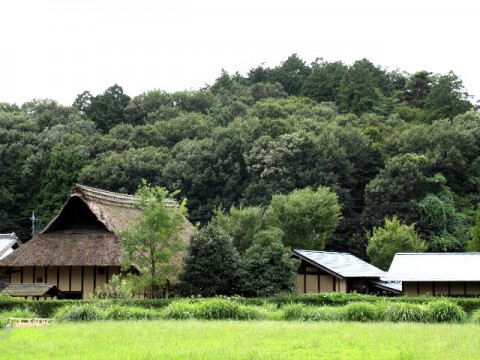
78, 250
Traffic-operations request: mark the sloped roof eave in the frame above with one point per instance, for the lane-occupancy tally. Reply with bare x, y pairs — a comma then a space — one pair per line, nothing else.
434, 267
342, 265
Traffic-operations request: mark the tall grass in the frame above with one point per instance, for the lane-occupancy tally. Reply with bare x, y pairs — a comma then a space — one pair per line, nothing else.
80, 312
213, 309
405, 312
444, 311
230, 309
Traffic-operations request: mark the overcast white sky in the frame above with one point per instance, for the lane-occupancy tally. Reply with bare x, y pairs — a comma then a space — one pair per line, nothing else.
57, 49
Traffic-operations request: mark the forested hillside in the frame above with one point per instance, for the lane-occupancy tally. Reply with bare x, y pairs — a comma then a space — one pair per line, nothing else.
387, 142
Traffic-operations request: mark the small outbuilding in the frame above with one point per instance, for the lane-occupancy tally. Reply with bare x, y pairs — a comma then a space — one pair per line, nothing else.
450, 274
323, 271
32, 291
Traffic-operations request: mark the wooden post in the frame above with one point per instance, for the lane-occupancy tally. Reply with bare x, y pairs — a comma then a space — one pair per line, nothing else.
69, 278
82, 279
94, 279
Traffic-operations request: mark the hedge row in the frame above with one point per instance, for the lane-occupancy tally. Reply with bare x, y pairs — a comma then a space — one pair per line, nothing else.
48, 307
338, 299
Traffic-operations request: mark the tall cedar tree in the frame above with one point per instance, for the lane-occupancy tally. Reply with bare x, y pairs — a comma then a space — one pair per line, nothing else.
268, 266
212, 265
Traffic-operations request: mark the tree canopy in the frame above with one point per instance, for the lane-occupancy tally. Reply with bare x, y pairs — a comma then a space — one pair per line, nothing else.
394, 237
385, 142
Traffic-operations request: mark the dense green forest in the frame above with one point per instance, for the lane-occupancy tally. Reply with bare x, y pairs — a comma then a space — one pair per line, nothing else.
388, 143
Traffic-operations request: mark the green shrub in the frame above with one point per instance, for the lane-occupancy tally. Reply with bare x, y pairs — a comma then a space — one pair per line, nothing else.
313, 313
180, 309
444, 311
361, 311
475, 317
116, 288
293, 311
404, 312
217, 309
246, 312
324, 313
119, 312
80, 312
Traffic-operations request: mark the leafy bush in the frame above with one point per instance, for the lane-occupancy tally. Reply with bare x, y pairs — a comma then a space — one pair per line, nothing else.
404, 312
293, 311
444, 311
116, 288
361, 311
313, 313
475, 317
324, 313
181, 309
222, 308
213, 309
246, 312
80, 312
119, 312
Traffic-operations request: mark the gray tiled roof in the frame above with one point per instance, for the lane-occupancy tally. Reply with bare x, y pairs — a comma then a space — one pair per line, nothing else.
343, 264
434, 267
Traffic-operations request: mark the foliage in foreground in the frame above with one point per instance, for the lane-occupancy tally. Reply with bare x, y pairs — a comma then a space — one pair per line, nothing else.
437, 311
48, 308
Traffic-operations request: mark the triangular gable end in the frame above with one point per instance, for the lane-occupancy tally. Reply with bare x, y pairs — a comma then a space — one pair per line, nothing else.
75, 214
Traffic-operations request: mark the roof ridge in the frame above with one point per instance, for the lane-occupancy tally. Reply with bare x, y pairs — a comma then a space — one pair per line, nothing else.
326, 252
103, 194
110, 196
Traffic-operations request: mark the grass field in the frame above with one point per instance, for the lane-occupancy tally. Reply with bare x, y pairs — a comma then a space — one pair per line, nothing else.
241, 340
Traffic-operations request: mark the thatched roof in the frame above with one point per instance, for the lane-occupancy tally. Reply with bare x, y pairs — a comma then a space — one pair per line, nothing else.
68, 248
84, 232
40, 290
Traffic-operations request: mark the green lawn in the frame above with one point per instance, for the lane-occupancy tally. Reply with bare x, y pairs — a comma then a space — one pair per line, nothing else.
241, 340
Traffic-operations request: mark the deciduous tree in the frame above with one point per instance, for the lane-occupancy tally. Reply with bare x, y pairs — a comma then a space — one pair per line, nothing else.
394, 237
153, 243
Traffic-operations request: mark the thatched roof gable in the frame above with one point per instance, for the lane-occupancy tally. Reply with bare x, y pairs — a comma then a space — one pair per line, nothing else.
113, 210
